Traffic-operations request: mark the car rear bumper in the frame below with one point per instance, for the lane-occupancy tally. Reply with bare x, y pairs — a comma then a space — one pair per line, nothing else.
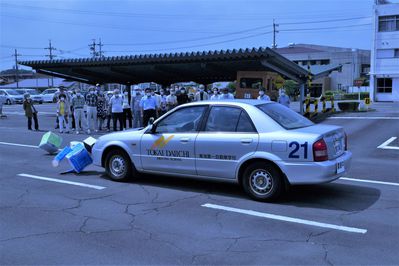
316, 172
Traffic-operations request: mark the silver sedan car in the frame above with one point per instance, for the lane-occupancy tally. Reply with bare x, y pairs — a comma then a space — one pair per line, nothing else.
263, 146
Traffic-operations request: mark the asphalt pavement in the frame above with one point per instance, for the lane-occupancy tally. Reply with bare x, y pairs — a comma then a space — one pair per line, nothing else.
52, 218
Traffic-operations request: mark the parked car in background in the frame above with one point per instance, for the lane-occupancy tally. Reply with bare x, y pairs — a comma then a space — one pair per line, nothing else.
34, 94
49, 95
12, 96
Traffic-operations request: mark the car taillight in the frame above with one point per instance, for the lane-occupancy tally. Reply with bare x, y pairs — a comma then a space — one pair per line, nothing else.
320, 151
346, 142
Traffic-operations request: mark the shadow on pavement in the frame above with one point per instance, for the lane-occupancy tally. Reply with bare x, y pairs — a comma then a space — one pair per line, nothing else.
333, 196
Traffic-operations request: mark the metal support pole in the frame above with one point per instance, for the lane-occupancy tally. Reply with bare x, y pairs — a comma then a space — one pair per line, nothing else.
302, 96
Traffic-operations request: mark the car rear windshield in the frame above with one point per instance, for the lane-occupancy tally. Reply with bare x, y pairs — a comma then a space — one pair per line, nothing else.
286, 117
12, 92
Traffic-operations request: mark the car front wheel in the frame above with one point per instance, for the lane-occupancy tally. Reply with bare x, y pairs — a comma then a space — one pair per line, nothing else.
262, 181
118, 165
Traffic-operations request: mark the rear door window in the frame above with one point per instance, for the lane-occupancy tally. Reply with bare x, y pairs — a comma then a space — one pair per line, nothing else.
228, 119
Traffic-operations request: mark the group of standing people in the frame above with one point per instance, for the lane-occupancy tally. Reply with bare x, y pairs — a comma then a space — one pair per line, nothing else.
95, 110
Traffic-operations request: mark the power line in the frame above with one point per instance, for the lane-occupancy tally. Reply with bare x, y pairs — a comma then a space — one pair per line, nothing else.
327, 28
105, 26
200, 45
248, 16
325, 21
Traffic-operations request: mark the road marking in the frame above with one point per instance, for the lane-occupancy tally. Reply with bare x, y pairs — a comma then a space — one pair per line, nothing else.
370, 181
386, 143
62, 181
20, 145
23, 113
365, 118
286, 219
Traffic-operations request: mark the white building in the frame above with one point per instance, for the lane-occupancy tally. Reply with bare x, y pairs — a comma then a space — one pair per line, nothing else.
355, 64
384, 74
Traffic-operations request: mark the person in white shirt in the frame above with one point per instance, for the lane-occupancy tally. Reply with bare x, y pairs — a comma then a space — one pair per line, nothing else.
116, 105
201, 95
162, 107
263, 96
127, 112
171, 100
215, 95
226, 95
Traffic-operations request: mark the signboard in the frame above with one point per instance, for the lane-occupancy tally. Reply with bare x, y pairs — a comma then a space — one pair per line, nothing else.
367, 101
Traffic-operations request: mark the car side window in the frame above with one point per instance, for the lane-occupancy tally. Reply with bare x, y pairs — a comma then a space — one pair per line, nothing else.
245, 124
182, 120
222, 119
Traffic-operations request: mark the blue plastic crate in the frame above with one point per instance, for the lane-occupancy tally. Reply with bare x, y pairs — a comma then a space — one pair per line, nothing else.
79, 158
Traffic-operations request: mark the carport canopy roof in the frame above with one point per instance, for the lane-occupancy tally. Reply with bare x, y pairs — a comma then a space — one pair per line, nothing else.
202, 67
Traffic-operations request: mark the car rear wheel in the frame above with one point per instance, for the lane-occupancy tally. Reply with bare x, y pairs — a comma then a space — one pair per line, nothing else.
118, 165
262, 181
8, 102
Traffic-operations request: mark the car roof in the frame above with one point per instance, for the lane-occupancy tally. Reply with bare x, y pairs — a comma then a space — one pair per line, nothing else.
234, 102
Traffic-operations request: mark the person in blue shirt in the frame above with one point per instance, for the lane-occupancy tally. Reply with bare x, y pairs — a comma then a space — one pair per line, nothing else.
148, 106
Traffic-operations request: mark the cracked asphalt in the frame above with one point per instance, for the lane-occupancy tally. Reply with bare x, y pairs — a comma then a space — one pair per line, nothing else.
160, 220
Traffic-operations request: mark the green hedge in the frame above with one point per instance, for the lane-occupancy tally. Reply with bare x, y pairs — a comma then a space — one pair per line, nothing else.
355, 96
348, 106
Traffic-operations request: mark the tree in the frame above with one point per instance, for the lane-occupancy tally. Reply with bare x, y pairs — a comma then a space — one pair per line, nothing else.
291, 88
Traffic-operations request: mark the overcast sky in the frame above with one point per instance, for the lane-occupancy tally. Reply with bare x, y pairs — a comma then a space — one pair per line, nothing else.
155, 26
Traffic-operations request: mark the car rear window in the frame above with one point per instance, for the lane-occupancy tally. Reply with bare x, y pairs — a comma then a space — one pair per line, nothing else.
284, 116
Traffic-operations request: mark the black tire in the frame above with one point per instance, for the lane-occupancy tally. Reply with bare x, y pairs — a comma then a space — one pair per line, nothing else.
262, 181
54, 99
8, 102
118, 165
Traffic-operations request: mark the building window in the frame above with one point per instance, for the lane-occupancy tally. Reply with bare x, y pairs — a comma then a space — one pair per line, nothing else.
396, 53
384, 85
388, 23
385, 53
339, 86
325, 62
313, 62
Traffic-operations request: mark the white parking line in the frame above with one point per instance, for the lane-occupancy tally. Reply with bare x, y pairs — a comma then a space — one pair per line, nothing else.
386, 143
369, 181
62, 181
20, 145
365, 118
286, 218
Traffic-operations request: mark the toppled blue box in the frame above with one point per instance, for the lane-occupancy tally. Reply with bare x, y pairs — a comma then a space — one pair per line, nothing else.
79, 158
61, 155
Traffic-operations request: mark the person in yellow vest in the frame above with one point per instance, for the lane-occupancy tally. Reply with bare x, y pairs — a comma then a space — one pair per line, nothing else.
62, 113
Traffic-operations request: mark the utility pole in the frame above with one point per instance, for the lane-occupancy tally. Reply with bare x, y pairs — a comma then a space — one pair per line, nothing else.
92, 48
16, 67
100, 52
50, 49
274, 46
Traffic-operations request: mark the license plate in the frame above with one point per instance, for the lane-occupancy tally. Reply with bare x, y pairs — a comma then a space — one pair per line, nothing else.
340, 167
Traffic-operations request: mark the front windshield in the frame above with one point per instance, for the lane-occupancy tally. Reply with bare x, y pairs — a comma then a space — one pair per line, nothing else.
286, 117
12, 92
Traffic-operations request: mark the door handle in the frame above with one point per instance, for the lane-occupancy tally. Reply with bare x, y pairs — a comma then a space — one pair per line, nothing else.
246, 141
184, 140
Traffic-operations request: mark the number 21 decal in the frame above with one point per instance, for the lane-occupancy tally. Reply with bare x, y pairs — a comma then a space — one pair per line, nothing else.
296, 146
